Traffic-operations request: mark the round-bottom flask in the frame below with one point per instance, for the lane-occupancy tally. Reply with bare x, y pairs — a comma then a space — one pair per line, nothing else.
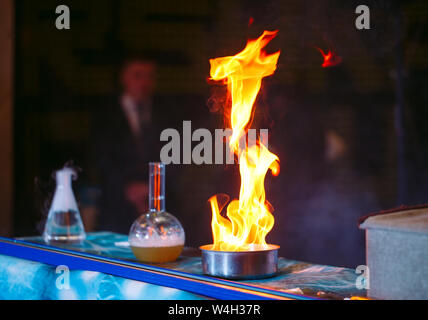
157, 236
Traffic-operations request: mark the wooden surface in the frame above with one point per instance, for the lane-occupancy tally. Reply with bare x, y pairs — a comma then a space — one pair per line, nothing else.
6, 114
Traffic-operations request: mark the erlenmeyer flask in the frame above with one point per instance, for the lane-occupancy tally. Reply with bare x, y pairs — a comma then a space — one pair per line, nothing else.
64, 224
157, 236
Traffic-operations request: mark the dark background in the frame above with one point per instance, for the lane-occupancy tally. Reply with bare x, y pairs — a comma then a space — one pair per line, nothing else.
375, 101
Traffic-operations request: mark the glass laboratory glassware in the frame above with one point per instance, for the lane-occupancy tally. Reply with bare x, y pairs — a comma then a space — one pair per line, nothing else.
157, 236
64, 224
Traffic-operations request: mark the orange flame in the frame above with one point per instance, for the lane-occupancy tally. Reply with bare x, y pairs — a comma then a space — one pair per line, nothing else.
249, 218
331, 59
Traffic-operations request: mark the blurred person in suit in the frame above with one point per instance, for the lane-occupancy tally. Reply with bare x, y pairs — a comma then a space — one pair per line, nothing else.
126, 137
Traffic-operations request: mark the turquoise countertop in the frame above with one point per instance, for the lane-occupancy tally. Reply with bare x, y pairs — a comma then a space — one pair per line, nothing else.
25, 279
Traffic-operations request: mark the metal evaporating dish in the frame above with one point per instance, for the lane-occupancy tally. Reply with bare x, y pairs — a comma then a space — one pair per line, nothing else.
255, 264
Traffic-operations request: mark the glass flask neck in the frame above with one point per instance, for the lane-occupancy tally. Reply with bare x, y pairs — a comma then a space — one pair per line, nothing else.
64, 177
157, 187
63, 199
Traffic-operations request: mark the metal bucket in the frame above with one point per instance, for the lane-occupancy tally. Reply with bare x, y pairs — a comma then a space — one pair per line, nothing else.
255, 264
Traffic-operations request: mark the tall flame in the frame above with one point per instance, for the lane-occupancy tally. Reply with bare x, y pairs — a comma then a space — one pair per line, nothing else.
249, 218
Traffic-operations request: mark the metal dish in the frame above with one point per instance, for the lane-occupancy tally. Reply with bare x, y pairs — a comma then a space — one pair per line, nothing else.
255, 264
